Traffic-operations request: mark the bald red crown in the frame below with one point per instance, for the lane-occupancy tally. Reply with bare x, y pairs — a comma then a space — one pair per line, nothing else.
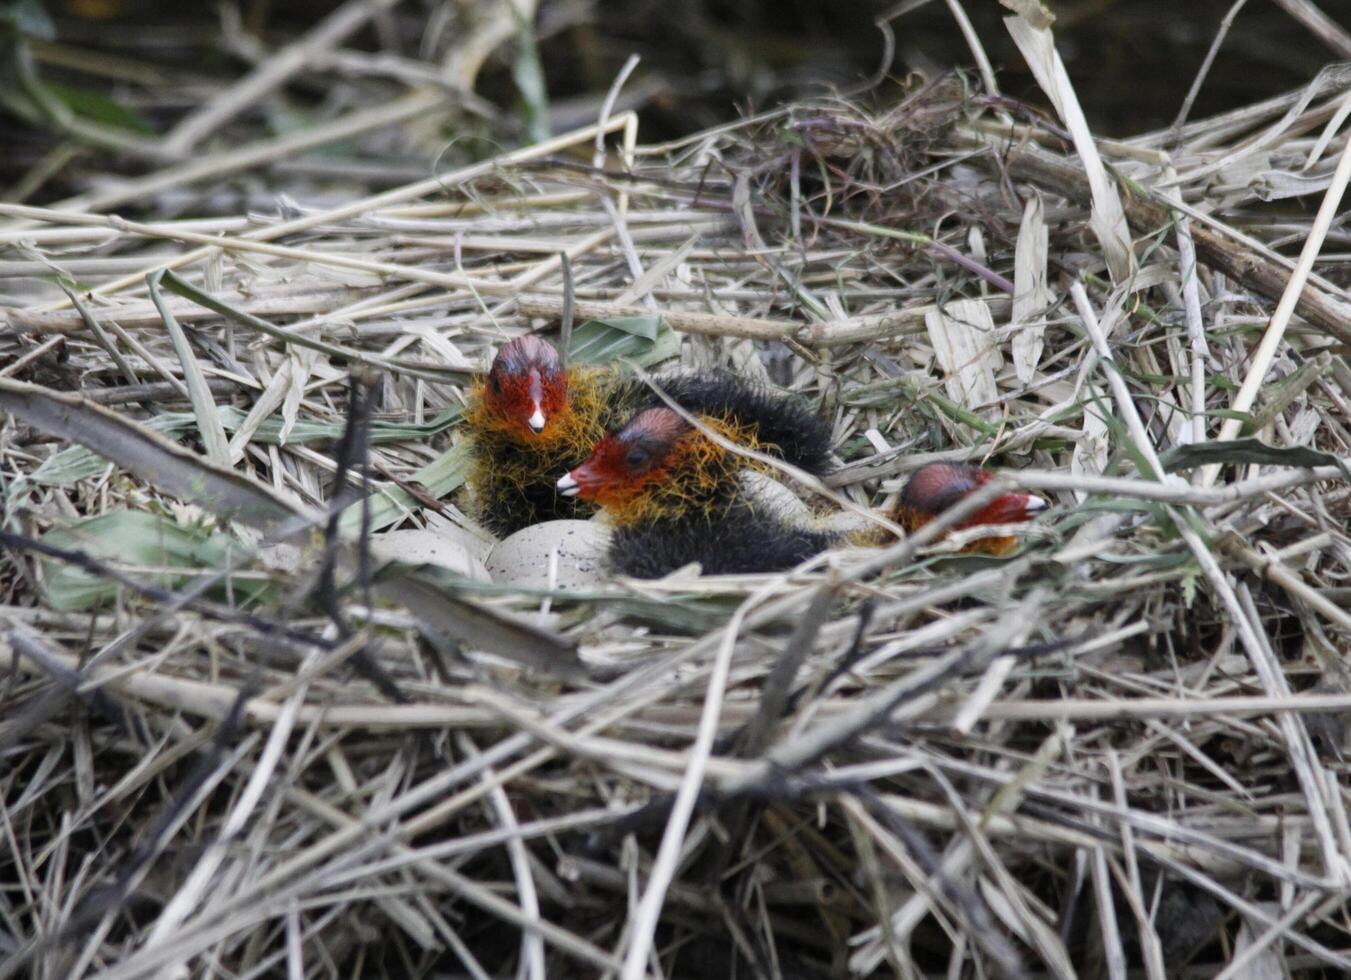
526, 386
935, 487
629, 459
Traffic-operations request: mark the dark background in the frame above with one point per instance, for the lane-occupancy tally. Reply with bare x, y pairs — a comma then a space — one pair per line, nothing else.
704, 63
1131, 60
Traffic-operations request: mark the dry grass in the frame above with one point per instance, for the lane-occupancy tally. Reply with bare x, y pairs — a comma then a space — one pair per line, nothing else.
249, 752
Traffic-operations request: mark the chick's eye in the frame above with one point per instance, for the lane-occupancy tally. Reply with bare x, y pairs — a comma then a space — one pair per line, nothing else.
638, 456
495, 383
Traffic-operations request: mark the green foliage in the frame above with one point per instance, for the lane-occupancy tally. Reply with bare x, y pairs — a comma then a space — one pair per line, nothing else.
438, 478
644, 340
528, 75
1245, 451
131, 537
27, 18
97, 107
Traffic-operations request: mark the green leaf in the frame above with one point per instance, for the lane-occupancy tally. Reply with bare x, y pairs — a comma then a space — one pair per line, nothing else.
133, 537
163, 464
27, 17
642, 339
1189, 590
203, 402
1246, 451
99, 108
439, 477
529, 78
76, 463
309, 430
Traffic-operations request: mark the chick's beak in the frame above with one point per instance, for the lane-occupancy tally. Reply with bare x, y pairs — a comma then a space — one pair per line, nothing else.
536, 420
1035, 504
567, 486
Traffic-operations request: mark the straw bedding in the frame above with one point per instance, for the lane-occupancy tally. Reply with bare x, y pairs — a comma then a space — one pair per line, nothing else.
235, 745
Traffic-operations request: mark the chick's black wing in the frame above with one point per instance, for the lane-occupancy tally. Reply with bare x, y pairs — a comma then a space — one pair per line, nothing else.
784, 423
739, 542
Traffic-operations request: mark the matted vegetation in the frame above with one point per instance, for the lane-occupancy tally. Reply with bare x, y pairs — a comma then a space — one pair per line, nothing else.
239, 740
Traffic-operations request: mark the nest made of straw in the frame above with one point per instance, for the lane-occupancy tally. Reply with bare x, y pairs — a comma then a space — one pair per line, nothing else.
232, 742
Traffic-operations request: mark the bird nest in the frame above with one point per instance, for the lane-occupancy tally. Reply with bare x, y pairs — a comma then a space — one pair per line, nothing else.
244, 726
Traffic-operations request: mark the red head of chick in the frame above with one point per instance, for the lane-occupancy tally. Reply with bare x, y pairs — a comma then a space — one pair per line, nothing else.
526, 419
675, 497
629, 468
526, 388
531, 418
935, 487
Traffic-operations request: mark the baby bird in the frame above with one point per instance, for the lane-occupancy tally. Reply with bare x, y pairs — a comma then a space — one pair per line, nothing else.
526, 418
675, 496
935, 487
531, 417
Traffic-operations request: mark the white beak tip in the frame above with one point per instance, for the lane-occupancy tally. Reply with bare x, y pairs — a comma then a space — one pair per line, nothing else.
1035, 504
536, 421
567, 486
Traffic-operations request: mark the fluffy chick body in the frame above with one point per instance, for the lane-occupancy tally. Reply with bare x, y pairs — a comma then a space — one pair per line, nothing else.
512, 474
529, 419
675, 496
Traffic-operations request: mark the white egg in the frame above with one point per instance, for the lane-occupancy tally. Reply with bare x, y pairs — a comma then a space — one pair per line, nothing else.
445, 547
525, 558
768, 492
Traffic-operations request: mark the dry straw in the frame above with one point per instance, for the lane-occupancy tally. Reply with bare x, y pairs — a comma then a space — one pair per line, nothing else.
1118, 750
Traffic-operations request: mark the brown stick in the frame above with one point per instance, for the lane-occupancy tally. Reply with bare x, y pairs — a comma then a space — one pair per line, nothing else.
1258, 273
139, 314
828, 333
711, 324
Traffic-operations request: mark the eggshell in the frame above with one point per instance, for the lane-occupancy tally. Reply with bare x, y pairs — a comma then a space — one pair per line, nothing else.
443, 547
847, 522
524, 558
765, 491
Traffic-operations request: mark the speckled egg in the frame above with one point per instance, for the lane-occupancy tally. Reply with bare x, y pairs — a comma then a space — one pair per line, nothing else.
444, 547
525, 557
